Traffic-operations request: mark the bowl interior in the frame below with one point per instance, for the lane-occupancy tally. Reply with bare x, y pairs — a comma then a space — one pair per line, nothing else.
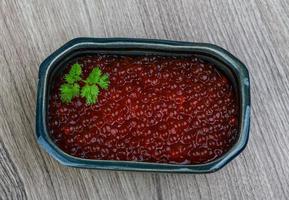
58, 67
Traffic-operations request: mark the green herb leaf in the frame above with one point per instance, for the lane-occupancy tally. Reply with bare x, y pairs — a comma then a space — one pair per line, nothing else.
90, 93
74, 74
94, 76
103, 81
68, 91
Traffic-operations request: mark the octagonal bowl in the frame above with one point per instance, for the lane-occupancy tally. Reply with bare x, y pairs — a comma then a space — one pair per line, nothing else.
222, 59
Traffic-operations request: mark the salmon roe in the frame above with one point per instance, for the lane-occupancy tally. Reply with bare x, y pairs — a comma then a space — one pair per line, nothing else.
157, 109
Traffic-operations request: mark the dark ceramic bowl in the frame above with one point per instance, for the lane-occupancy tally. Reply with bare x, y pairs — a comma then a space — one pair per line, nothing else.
226, 62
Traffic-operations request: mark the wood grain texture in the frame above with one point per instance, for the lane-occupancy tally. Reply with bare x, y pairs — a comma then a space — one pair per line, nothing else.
256, 31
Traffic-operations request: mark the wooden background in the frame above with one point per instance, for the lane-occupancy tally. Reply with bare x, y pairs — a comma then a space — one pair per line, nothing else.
256, 31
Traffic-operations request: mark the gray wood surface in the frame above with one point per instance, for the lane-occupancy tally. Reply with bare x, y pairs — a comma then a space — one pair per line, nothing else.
256, 31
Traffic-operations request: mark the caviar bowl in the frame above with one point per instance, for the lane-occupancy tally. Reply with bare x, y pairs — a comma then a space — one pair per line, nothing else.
225, 62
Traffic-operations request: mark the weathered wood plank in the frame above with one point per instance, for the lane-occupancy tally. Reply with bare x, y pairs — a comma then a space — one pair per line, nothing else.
255, 31
11, 185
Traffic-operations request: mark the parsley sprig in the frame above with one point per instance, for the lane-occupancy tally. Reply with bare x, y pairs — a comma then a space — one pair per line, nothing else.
95, 81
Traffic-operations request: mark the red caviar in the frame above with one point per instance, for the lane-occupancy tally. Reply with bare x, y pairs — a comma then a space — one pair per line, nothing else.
157, 109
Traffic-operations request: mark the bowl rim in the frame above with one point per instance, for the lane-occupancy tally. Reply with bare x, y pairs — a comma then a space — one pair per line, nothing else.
215, 51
